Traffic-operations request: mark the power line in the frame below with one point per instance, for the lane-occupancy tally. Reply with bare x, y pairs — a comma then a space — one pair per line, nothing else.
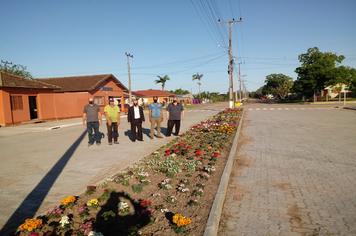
182, 61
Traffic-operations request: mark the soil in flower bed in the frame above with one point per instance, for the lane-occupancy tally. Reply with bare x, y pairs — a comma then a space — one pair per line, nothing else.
168, 192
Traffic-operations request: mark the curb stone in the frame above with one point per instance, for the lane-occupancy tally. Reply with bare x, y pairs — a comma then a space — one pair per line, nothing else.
212, 226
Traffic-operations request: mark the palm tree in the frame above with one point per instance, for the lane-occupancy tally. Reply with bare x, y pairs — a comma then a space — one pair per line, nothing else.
198, 77
162, 80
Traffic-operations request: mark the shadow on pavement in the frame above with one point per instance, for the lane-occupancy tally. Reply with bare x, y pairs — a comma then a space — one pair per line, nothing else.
110, 222
34, 199
145, 131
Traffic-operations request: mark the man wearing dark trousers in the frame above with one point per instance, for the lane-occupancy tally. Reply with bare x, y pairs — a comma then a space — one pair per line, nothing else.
92, 119
112, 114
135, 116
175, 112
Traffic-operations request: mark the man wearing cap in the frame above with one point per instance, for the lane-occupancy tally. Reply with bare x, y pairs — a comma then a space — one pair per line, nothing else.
135, 116
92, 119
112, 114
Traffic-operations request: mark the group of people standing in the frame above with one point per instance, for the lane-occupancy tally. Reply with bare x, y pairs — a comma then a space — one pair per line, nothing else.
135, 116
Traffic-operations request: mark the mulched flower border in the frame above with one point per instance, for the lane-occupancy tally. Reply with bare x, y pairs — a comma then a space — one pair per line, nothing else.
168, 192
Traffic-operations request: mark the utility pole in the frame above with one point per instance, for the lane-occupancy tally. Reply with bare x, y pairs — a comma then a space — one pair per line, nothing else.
240, 92
231, 62
128, 55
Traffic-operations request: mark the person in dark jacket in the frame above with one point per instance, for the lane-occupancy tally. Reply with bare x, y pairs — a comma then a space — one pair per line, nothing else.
135, 116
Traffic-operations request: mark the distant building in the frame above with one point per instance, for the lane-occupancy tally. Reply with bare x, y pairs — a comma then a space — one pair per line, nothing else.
185, 99
334, 90
147, 95
55, 98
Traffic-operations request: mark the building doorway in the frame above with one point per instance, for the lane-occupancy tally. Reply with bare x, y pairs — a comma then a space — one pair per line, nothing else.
32, 101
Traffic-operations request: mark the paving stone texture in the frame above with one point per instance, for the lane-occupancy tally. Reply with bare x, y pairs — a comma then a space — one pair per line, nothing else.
295, 173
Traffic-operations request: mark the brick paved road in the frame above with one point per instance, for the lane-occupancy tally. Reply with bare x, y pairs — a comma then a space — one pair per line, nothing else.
295, 173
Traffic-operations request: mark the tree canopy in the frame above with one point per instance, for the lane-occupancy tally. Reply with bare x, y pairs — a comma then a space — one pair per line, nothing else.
180, 91
317, 70
15, 69
279, 85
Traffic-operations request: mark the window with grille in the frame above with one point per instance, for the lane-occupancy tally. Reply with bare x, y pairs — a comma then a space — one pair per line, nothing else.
99, 100
16, 103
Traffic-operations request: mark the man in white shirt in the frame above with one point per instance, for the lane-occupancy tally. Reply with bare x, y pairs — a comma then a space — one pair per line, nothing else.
135, 116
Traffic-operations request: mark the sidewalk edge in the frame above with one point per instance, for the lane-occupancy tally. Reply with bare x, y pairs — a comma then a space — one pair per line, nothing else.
212, 225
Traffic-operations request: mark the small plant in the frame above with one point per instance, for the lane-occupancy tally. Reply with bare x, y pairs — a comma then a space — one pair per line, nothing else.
180, 222
65, 222
182, 188
171, 199
198, 192
145, 203
90, 190
107, 215
83, 212
193, 202
68, 201
124, 208
165, 184
31, 224
55, 212
190, 165
137, 188
204, 175
209, 169
94, 203
106, 195
123, 179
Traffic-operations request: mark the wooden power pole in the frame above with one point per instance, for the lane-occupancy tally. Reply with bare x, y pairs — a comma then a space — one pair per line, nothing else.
128, 55
231, 62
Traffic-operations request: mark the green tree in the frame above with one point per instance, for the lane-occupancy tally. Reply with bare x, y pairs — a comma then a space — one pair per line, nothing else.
162, 80
180, 91
15, 69
198, 77
279, 85
343, 75
316, 71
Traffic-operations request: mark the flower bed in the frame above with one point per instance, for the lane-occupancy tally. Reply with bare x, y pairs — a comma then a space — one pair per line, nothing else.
168, 192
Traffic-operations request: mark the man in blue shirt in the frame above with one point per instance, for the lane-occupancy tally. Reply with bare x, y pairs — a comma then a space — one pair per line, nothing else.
156, 117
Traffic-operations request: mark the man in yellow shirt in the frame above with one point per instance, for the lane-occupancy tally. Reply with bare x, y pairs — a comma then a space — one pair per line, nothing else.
112, 114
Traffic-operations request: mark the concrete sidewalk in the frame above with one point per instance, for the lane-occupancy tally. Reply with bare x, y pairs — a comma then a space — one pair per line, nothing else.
39, 168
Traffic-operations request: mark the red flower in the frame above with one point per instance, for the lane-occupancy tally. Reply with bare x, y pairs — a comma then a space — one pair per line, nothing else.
145, 203
167, 152
176, 151
198, 152
34, 234
216, 154
188, 147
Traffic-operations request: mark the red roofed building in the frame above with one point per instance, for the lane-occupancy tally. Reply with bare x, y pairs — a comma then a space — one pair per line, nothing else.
147, 95
55, 98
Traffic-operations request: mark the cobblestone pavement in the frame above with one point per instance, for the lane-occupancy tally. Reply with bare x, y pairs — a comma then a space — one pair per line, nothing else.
295, 173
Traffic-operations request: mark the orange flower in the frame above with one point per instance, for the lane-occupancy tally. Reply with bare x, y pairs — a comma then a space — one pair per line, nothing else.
180, 220
30, 225
68, 200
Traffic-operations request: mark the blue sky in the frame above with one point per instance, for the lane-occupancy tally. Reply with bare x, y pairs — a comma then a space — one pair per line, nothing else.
177, 38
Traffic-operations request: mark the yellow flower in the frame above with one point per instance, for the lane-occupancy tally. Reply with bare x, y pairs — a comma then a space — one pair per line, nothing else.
93, 202
67, 200
31, 224
180, 220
